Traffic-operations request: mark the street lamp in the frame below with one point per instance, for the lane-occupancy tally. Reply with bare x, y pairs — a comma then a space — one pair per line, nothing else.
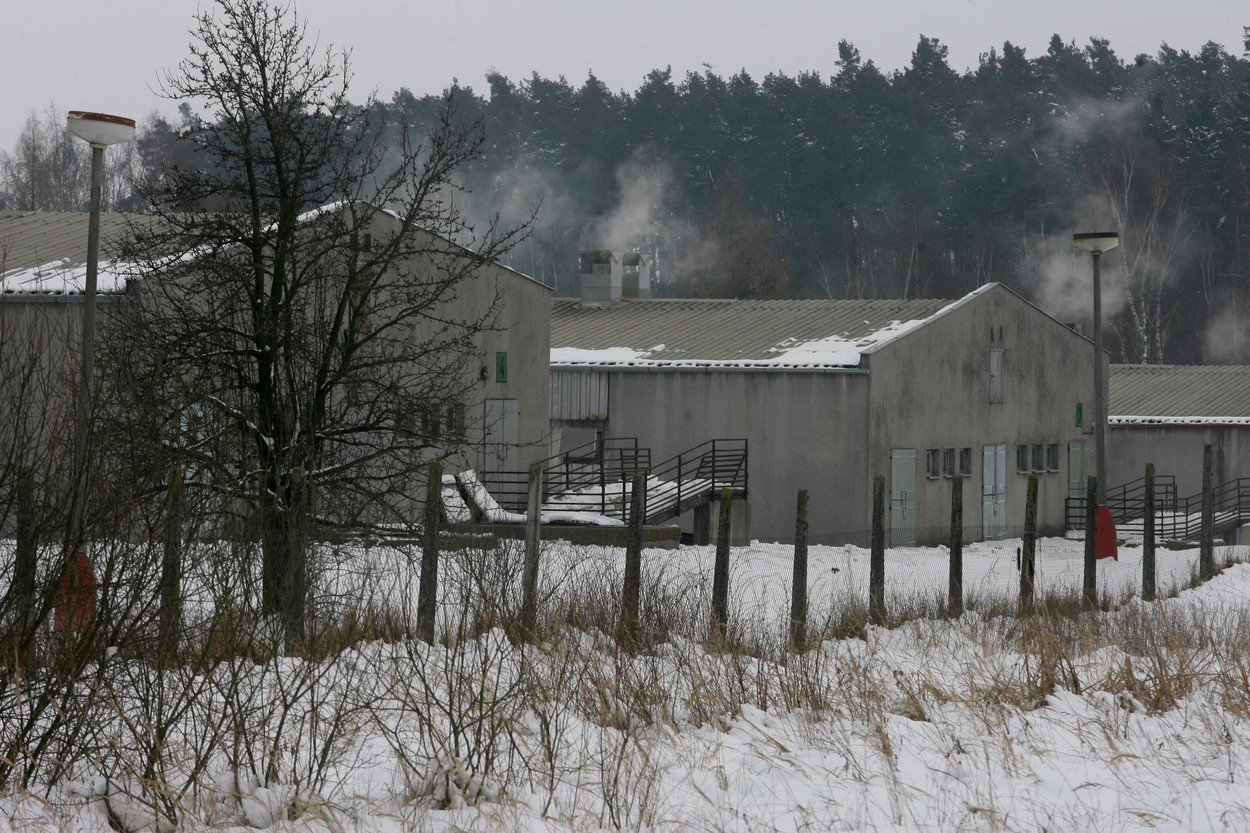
99, 130
1096, 243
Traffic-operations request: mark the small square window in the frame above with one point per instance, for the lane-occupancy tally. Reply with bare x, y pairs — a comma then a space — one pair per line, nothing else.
1052, 457
1038, 459
965, 462
932, 461
1022, 458
948, 462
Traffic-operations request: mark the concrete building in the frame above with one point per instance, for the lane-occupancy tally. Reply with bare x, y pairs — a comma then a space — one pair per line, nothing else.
42, 271
829, 394
1165, 414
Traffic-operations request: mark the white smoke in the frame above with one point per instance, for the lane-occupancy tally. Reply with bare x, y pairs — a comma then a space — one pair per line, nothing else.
1062, 275
640, 212
1226, 339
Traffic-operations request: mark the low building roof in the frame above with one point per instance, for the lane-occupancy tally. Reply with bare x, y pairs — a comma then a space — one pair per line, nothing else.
1170, 394
45, 252
683, 333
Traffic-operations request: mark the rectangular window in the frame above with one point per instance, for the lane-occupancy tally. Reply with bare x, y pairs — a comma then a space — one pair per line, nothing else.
455, 421
932, 462
965, 462
1038, 459
429, 421
996, 375
1052, 457
1022, 458
948, 462
501, 367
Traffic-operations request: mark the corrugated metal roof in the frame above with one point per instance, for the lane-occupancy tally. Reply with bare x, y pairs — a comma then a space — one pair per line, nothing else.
38, 249
1178, 394
693, 332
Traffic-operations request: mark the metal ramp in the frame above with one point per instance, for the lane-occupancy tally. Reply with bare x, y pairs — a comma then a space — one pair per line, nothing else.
1176, 518
597, 479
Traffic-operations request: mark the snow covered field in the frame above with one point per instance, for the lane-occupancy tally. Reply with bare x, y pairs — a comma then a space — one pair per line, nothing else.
1136, 719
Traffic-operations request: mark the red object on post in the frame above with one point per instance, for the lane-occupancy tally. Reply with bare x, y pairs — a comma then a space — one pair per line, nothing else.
75, 596
1104, 534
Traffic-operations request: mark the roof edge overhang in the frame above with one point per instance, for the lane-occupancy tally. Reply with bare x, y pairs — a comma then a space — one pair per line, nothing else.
704, 367
1129, 421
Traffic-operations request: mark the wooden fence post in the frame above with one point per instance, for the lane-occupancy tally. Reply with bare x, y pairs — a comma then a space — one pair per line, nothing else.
876, 562
25, 568
1206, 553
798, 584
955, 588
720, 573
529, 573
633, 559
427, 593
171, 568
1028, 558
26, 556
1089, 586
1148, 588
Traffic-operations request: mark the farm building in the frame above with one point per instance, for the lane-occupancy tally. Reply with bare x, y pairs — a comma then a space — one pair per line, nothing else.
828, 394
1165, 414
504, 419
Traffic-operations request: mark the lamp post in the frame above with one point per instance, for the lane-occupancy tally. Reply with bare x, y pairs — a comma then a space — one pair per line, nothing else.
1096, 243
99, 130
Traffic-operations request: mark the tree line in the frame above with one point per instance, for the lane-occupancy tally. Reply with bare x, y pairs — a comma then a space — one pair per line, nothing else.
921, 182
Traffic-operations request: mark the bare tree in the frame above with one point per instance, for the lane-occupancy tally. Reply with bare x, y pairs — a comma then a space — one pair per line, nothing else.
50, 170
1145, 200
306, 342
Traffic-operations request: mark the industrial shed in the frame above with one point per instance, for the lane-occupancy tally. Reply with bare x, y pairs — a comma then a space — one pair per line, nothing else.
1165, 414
829, 394
42, 271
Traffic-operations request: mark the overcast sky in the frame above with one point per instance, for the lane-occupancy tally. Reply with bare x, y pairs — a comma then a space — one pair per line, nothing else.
106, 55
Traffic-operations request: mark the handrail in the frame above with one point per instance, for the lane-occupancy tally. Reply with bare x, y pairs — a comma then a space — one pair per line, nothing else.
1176, 518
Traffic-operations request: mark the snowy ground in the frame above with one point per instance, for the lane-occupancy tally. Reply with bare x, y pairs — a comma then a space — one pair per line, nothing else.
1137, 719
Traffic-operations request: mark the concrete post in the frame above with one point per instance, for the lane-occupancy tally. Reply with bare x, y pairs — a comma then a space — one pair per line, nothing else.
1089, 586
633, 559
529, 574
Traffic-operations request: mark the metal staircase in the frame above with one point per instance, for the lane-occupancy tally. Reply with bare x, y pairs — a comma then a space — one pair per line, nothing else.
1176, 518
597, 478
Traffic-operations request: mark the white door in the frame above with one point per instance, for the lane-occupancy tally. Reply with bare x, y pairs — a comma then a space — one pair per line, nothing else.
903, 496
1078, 468
500, 446
994, 491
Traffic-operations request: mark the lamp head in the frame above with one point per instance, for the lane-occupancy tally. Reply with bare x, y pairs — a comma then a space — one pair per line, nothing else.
1096, 241
100, 129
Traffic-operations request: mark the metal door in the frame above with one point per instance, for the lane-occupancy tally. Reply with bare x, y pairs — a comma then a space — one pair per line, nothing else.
994, 491
903, 496
500, 446
1078, 467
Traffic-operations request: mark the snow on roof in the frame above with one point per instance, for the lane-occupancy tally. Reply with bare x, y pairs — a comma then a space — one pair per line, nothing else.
62, 277
731, 334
